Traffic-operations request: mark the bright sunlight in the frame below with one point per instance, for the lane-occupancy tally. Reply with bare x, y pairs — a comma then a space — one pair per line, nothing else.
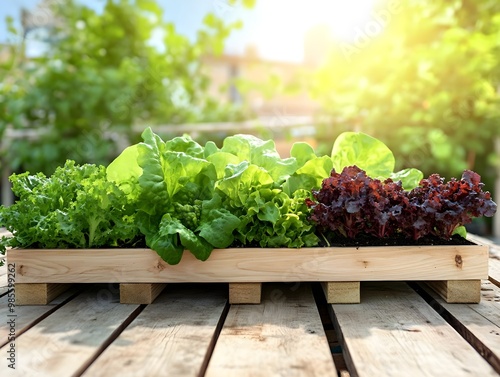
345, 19
281, 31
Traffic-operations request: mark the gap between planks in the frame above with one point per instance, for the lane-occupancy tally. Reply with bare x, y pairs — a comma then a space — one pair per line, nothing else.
177, 341
415, 340
284, 336
63, 342
479, 324
494, 257
28, 316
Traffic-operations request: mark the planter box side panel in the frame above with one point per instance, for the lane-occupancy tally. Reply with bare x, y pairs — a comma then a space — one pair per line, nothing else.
245, 265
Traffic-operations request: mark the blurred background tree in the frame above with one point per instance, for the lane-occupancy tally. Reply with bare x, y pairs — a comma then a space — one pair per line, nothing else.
101, 74
423, 77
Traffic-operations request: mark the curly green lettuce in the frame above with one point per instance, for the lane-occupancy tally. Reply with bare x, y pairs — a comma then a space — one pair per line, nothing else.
76, 207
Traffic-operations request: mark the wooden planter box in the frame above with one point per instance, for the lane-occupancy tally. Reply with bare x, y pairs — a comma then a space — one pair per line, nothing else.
453, 271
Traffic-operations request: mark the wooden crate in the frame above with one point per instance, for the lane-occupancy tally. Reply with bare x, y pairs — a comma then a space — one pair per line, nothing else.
454, 271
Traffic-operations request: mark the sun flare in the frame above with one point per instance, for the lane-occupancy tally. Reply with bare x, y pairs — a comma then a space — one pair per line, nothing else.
346, 19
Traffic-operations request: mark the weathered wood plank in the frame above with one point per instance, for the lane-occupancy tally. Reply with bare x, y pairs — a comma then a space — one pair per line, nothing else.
478, 324
281, 337
254, 265
342, 292
38, 293
394, 332
245, 293
140, 293
494, 269
62, 343
494, 261
171, 337
25, 316
458, 291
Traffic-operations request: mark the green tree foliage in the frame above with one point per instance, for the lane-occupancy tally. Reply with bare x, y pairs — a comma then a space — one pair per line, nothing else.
101, 75
427, 84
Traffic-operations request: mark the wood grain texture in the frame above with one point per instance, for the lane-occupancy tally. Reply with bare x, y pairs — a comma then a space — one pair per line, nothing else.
458, 291
62, 343
26, 316
38, 293
245, 293
169, 338
140, 293
494, 271
342, 292
394, 332
283, 336
478, 323
254, 265
494, 260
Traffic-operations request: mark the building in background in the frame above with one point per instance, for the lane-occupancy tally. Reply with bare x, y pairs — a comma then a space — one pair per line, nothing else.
259, 83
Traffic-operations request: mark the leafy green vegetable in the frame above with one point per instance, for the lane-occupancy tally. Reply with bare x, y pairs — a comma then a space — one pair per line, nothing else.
77, 207
254, 184
366, 152
372, 156
176, 205
260, 153
125, 171
310, 175
215, 221
410, 177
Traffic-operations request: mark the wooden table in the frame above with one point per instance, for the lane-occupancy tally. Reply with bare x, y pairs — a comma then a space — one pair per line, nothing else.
398, 329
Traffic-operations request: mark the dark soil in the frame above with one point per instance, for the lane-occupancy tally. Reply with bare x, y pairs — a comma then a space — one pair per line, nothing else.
337, 240
367, 240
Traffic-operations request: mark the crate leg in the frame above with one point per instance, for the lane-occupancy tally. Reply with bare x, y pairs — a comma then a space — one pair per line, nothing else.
140, 293
245, 293
458, 291
342, 292
38, 293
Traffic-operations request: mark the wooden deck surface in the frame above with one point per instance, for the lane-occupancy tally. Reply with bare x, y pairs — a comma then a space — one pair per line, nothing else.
398, 329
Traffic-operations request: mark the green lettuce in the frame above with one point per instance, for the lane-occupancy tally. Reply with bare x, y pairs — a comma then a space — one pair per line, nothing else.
251, 180
76, 207
177, 209
372, 156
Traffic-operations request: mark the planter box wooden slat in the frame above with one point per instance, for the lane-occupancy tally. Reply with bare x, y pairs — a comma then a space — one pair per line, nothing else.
38, 293
140, 293
339, 267
458, 291
342, 292
245, 293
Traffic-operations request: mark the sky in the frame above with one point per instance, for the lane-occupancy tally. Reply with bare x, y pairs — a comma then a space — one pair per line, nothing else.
276, 27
